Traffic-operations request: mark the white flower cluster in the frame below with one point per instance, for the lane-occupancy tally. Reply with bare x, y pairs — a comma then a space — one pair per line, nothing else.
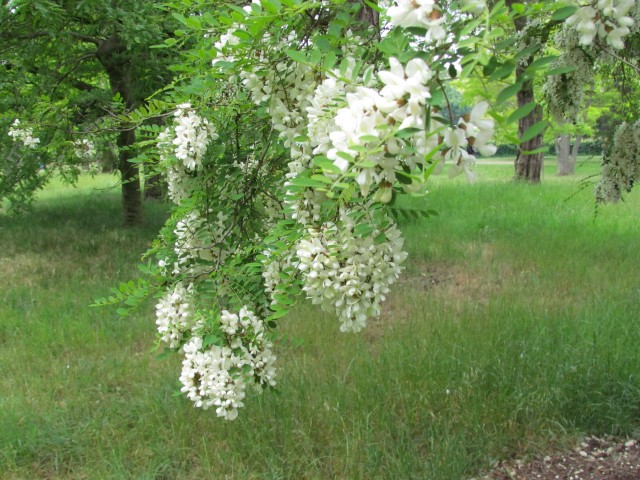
175, 316
349, 275
565, 93
621, 168
370, 119
216, 376
187, 141
24, 135
605, 19
472, 133
84, 149
192, 136
419, 13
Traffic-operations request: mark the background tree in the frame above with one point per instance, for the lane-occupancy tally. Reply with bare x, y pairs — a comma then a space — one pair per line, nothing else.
86, 61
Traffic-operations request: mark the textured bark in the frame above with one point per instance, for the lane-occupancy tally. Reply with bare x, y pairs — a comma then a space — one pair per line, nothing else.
528, 165
131, 194
154, 186
112, 54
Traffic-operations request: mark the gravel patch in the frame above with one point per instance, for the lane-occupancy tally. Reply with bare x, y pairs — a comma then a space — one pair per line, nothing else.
593, 459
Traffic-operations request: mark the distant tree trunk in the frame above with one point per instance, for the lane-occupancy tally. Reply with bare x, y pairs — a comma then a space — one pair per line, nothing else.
575, 149
112, 54
563, 153
567, 154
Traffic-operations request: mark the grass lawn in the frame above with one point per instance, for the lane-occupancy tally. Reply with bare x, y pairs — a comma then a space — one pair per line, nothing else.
514, 329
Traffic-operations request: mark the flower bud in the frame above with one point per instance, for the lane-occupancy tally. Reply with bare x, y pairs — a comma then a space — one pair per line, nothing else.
383, 195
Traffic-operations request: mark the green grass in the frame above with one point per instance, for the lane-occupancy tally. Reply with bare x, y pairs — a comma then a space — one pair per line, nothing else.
514, 329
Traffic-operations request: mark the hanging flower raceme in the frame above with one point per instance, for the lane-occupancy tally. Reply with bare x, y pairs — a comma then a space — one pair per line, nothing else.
192, 134
364, 141
348, 274
621, 165
217, 375
174, 315
565, 93
182, 147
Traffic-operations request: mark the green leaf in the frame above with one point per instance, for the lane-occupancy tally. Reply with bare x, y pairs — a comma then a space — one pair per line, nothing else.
406, 132
363, 230
519, 8
537, 150
271, 6
322, 43
503, 71
296, 55
521, 112
564, 12
307, 182
325, 164
277, 314
560, 70
527, 52
315, 56
329, 60
508, 92
346, 156
541, 63
533, 131
322, 178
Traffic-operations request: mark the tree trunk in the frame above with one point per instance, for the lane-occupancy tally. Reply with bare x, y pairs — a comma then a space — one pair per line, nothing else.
112, 54
563, 147
154, 186
528, 165
567, 154
131, 194
574, 153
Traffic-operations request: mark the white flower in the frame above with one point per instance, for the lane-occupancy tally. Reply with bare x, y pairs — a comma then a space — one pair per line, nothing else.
174, 315
217, 376
411, 13
84, 149
480, 129
348, 274
24, 135
474, 7
584, 22
609, 22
